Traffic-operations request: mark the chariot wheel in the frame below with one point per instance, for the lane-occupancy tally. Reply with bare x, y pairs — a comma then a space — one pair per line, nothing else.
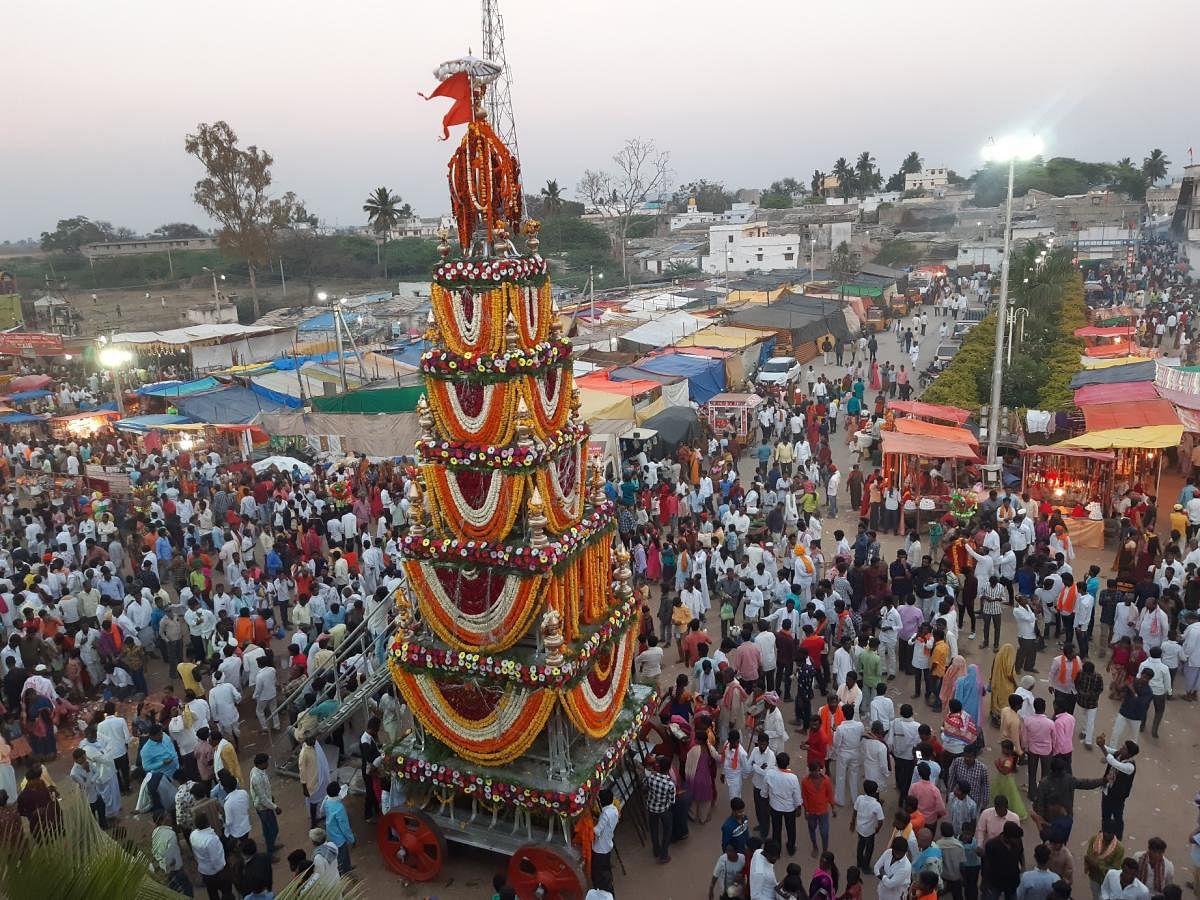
548, 867
411, 844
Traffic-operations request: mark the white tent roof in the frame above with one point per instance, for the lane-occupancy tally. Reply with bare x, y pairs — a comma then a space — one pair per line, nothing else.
665, 330
194, 334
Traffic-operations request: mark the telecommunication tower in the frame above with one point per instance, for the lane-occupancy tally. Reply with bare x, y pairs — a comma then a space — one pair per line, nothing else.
499, 98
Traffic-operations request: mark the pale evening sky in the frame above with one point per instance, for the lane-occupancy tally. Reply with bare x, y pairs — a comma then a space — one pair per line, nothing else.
100, 95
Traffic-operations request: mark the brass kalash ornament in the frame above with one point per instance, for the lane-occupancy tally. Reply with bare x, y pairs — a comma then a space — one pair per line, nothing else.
514, 647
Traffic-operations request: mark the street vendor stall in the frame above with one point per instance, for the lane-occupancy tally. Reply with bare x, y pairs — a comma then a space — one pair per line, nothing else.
1069, 479
82, 425
922, 410
907, 461
733, 414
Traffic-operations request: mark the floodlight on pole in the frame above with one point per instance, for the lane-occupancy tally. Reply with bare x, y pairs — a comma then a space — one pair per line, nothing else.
112, 358
1004, 150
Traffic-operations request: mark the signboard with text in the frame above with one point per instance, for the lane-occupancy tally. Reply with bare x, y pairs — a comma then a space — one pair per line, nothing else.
16, 343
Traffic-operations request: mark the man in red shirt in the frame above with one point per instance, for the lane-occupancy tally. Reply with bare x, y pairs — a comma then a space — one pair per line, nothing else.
692, 641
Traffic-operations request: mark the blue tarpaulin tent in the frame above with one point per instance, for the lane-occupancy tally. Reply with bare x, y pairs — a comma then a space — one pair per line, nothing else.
145, 424
178, 388
290, 363
706, 377
275, 396
21, 396
19, 418
228, 406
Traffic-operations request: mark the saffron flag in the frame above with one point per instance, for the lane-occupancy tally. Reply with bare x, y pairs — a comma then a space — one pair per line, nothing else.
458, 88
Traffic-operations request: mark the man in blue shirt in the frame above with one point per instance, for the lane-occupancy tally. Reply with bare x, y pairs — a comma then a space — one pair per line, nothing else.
337, 826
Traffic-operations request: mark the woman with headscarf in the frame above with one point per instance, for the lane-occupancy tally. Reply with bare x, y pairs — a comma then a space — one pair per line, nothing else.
1003, 682
969, 690
955, 671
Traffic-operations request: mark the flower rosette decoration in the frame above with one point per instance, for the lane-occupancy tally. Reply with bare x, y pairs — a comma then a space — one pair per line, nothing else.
481, 609
488, 273
469, 455
536, 359
518, 557
473, 504
488, 725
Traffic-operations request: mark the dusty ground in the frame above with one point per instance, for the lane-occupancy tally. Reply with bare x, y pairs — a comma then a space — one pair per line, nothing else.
1161, 803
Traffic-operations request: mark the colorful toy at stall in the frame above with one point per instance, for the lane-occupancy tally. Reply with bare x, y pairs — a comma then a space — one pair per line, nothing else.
963, 507
514, 647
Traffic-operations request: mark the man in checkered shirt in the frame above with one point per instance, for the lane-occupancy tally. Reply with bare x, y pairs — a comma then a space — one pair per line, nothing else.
660, 798
991, 599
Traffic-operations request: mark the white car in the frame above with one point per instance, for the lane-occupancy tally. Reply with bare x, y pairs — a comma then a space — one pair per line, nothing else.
779, 370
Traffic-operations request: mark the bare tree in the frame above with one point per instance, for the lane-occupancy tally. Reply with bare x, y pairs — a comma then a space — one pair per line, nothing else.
639, 171
234, 192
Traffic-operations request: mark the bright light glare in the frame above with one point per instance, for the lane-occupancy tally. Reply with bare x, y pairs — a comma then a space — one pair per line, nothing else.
1013, 147
112, 357
186, 443
322, 296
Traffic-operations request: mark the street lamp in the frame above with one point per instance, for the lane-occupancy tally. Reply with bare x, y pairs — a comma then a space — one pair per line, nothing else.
112, 358
1009, 150
216, 293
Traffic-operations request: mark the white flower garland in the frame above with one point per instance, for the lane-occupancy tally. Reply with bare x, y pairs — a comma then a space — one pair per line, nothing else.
539, 390
600, 705
476, 516
468, 329
485, 623
468, 423
570, 502
502, 718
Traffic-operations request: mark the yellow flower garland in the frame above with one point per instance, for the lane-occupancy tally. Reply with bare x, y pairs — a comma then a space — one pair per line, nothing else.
492, 304
500, 425
448, 517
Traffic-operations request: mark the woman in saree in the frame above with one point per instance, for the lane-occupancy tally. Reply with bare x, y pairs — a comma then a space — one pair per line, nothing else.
700, 770
1003, 681
954, 671
39, 726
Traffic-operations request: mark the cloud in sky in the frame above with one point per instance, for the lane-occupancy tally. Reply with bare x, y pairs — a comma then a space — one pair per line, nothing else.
100, 95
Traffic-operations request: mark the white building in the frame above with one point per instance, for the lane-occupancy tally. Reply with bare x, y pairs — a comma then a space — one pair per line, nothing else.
743, 247
736, 214
988, 252
927, 179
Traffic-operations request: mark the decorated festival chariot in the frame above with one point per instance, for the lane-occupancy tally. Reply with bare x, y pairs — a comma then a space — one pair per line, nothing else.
513, 645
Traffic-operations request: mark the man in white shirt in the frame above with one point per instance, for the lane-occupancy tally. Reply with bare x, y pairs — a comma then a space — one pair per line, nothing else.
1026, 620
1152, 625
893, 871
1085, 607
847, 755
237, 808
762, 871
223, 701
1160, 687
1123, 883
113, 733
903, 738
648, 664
602, 840
761, 761
210, 856
265, 692
784, 800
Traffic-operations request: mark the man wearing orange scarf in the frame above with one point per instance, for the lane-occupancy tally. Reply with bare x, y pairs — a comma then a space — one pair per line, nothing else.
1063, 671
1065, 606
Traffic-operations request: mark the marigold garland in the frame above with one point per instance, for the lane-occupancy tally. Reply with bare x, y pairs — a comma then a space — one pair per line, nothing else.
485, 185
454, 513
594, 714
532, 308
496, 422
596, 567
494, 630
470, 321
494, 740
549, 413
564, 503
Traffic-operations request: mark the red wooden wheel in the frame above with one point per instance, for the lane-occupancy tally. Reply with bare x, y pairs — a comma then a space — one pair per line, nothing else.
548, 867
411, 844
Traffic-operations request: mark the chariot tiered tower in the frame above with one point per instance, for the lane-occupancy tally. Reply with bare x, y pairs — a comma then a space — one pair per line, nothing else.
514, 648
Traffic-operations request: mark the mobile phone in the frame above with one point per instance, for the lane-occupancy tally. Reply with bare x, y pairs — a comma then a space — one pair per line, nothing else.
917, 755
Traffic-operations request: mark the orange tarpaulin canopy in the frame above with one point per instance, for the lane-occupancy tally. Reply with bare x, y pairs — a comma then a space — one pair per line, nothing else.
932, 429
930, 410
1105, 331
599, 381
1106, 416
1121, 348
923, 445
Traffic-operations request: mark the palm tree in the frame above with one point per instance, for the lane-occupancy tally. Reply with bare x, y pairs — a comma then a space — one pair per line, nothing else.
1155, 165
552, 197
818, 182
912, 163
1124, 163
76, 860
864, 170
384, 212
844, 173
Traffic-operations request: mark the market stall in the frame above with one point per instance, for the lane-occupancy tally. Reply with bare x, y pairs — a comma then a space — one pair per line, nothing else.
922, 410
82, 426
926, 469
729, 413
1069, 479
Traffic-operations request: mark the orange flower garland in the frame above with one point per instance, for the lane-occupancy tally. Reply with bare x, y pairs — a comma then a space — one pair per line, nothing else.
480, 332
498, 418
596, 568
532, 309
497, 738
457, 514
549, 414
485, 182
564, 502
594, 714
493, 630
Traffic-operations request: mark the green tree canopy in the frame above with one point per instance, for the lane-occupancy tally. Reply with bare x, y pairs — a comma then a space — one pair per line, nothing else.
71, 234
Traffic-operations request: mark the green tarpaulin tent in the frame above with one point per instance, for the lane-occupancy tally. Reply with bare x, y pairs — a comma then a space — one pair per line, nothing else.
377, 400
